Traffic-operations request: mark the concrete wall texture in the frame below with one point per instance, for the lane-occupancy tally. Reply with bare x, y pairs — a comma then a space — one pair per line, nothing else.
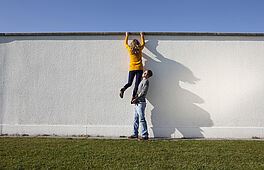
203, 86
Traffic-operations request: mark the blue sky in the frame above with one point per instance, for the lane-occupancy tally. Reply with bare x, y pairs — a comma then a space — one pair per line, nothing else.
133, 16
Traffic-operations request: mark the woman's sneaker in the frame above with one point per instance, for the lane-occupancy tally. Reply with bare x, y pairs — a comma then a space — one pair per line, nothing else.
121, 94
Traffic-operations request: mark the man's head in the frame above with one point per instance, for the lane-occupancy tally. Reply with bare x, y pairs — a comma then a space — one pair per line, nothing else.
147, 74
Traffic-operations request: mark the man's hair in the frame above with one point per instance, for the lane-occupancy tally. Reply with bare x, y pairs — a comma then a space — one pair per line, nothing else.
149, 73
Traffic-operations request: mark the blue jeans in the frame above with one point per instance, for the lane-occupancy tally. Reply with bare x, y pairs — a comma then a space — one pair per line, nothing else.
131, 75
139, 112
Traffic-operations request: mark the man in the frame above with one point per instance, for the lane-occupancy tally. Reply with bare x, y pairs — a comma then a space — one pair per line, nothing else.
140, 105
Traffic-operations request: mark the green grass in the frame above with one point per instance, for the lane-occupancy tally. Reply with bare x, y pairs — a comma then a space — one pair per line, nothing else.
35, 153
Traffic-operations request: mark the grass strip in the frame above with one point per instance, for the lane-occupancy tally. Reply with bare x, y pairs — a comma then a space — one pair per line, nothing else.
54, 153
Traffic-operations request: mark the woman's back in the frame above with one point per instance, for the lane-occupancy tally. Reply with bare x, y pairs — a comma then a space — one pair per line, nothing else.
135, 53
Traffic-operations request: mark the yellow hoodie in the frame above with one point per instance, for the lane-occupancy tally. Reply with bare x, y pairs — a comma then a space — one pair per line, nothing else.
135, 61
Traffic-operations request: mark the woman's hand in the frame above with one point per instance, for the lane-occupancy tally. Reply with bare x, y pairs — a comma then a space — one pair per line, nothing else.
126, 33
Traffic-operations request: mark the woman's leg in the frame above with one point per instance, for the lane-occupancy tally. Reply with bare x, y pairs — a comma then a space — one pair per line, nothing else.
138, 79
131, 76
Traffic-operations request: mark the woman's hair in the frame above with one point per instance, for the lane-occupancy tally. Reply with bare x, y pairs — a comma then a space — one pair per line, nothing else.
135, 47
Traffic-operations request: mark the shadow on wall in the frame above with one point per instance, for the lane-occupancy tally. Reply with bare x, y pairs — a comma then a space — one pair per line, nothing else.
174, 107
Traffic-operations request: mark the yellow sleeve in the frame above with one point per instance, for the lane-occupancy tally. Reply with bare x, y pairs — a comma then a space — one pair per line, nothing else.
126, 43
142, 42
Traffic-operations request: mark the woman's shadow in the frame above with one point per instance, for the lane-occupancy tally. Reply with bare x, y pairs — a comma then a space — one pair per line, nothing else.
175, 108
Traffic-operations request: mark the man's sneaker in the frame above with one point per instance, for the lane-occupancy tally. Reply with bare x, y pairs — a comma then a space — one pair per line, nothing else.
121, 94
132, 137
143, 138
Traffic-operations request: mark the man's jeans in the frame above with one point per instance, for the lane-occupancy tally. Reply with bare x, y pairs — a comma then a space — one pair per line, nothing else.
139, 113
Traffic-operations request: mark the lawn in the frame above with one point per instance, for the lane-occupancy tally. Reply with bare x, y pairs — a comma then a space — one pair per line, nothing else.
29, 153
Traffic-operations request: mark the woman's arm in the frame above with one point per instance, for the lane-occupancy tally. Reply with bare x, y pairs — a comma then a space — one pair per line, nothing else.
142, 41
126, 41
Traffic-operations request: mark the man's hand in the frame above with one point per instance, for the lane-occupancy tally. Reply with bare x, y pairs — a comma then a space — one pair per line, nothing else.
134, 101
126, 33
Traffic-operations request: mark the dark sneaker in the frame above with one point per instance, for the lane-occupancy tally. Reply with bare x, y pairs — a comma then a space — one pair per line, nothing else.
121, 94
132, 137
143, 138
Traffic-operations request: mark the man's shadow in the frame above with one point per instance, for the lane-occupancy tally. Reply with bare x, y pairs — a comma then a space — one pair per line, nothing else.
175, 108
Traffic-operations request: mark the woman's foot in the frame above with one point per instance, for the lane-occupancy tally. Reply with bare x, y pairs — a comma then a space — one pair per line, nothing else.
121, 94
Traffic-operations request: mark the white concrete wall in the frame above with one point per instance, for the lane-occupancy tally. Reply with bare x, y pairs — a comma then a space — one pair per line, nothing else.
202, 86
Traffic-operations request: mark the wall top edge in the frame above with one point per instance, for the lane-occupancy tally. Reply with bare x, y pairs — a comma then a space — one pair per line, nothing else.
131, 33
